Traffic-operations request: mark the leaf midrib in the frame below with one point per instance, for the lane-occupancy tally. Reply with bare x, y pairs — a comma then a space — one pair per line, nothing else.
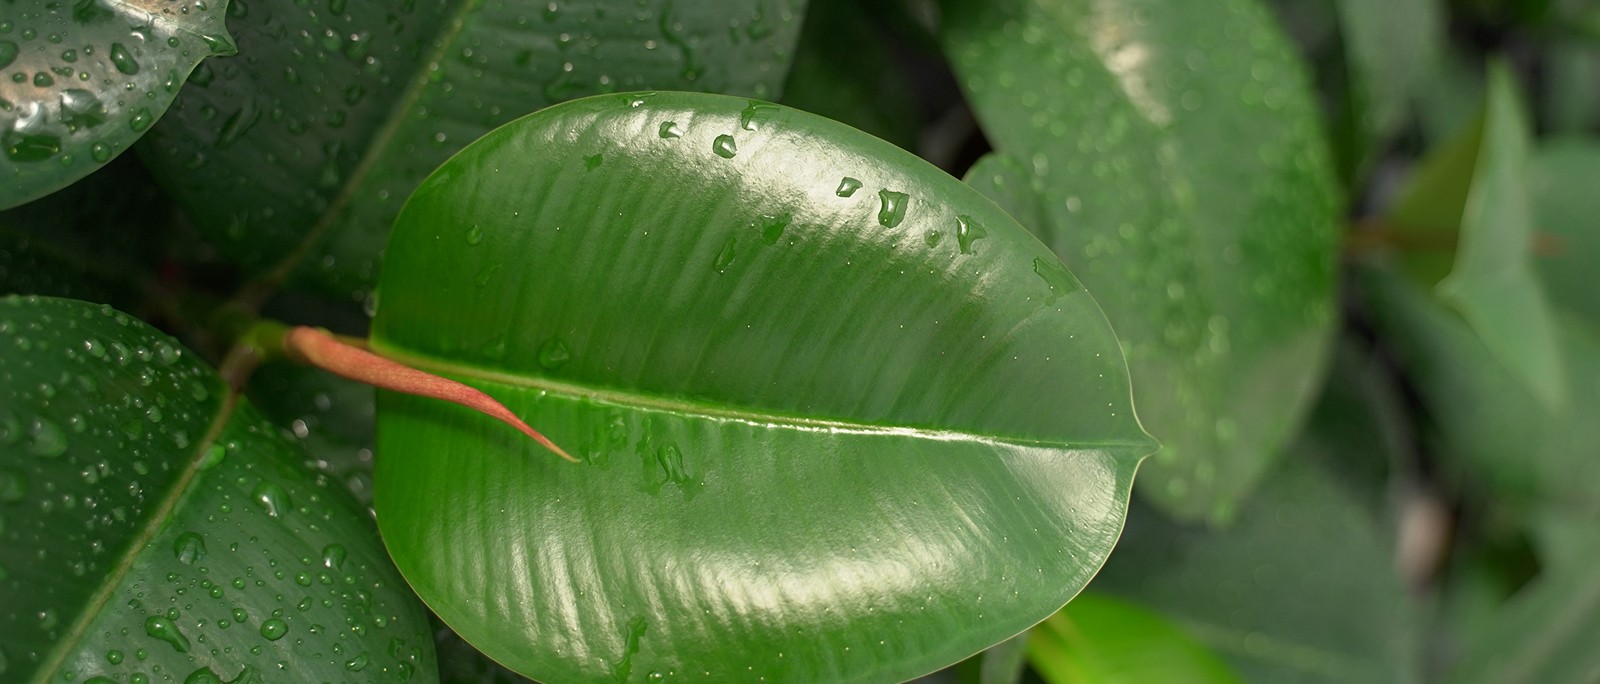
155, 520
751, 416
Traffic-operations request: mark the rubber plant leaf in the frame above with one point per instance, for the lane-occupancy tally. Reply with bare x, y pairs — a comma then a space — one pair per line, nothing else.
840, 418
1169, 152
84, 80
156, 526
297, 157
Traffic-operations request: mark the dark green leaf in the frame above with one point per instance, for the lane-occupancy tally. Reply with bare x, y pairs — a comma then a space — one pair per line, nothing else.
844, 70
1545, 634
1171, 154
841, 418
155, 529
1390, 46
83, 80
1302, 588
1098, 639
299, 154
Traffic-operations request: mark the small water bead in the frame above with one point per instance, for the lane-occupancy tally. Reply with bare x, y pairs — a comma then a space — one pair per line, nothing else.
475, 235
669, 129
892, 207
554, 354
967, 232
274, 629
724, 146
162, 627
847, 187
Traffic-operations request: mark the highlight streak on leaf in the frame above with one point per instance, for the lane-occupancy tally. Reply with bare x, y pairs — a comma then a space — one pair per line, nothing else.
321, 349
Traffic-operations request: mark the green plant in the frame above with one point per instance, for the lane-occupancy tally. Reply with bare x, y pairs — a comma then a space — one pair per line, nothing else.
837, 415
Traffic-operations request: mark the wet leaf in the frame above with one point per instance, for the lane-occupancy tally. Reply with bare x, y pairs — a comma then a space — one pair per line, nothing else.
153, 527
1169, 152
297, 156
81, 81
821, 439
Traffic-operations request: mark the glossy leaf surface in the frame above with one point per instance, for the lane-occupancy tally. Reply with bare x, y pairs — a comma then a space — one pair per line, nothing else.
299, 153
1098, 639
1168, 151
1473, 196
155, 530
81, 81
841, 418
1302, 588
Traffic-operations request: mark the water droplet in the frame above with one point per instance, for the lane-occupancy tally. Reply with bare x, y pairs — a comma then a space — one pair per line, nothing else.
554, 354
274, 629
8, 53
592, 161
189, 547
123, 60
114, 657
47, 439
847, 187
100, 151
968, 231
1056, 276
161, 627
932, 238
142, 118
13, 486
747, 117
772, 227
272, 498
725, 257
724, 146
669, 129
892, 207
358, 663
213, 456
474, 235
43, 80
333, 556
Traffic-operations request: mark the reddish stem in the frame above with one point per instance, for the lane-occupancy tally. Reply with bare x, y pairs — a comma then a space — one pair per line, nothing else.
321, 349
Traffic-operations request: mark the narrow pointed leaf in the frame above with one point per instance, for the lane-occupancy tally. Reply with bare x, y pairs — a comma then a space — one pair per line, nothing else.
1171, 154
84, 80
154, 528
1474, 194
840, 418
299, 154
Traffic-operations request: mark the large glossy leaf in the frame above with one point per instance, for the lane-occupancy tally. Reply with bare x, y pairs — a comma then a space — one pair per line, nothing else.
1169, 152
1473, 195
155, 530
299, 153
1098, 639
83, 80
841, 419
1303, 587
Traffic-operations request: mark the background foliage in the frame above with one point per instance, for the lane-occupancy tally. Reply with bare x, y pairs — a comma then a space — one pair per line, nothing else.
1346, 247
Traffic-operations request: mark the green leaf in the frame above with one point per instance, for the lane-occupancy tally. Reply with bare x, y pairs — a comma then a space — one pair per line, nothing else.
99, 239
841, 419
1390, 47
85, 79
297, 159
844, 70
1567, 254
1171, 154
1002, 663
1303, 587
1477, 188
1531, 459
331, 417
1545, 634
1103, 640
156, 528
